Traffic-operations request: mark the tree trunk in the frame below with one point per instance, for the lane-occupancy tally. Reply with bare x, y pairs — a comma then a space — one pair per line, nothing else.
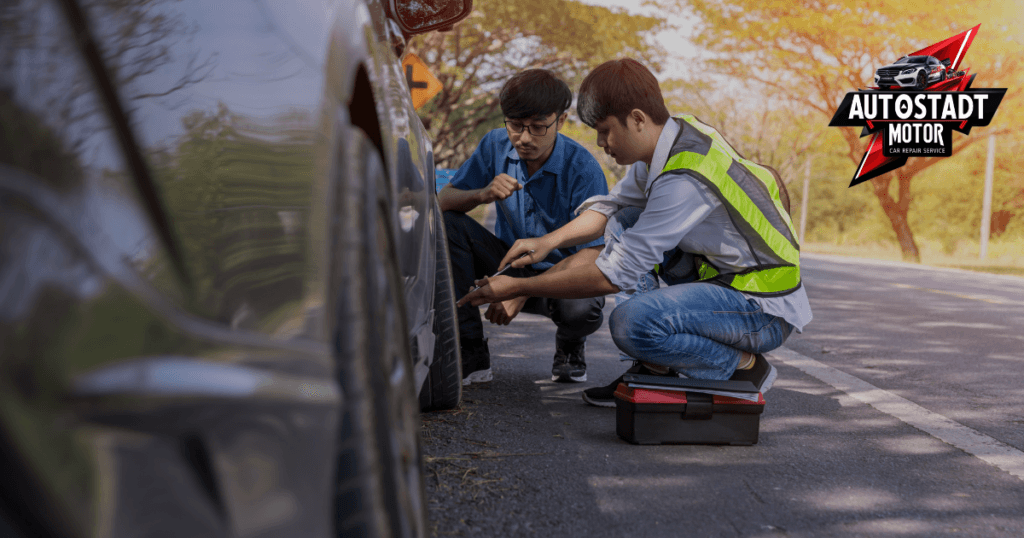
897, 211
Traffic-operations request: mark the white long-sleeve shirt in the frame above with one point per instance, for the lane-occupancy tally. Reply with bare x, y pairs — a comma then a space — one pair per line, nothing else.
678, 211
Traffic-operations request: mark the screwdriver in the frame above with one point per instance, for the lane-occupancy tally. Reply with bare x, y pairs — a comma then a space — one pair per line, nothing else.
506, 268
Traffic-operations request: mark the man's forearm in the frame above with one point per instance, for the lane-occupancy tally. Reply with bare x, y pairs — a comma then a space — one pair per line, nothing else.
452, 199
582, 229
575, 277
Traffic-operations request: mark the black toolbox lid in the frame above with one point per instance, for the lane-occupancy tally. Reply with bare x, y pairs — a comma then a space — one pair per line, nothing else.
687, 383
747, 381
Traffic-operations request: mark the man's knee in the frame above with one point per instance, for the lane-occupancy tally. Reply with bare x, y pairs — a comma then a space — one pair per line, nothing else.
621, 325
584, 314
455, 223
463, 231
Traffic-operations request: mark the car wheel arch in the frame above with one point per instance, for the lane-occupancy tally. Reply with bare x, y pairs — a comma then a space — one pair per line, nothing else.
362, 111
361, 100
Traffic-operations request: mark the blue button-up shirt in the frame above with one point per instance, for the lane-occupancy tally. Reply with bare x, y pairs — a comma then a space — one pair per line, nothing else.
548, 197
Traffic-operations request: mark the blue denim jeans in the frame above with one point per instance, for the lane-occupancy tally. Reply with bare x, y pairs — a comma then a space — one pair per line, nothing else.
695, 328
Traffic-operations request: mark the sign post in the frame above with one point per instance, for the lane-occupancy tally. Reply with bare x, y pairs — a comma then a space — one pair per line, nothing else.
986, 200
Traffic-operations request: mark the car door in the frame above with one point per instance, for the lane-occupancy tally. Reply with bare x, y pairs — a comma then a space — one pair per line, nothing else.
159, 339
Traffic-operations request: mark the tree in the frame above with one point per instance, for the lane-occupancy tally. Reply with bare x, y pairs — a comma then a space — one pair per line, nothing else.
502, 37
811, 53
780, 137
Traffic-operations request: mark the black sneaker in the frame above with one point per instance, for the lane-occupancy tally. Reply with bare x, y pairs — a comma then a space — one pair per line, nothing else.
476, 361
762, 374
569, 365
605, 396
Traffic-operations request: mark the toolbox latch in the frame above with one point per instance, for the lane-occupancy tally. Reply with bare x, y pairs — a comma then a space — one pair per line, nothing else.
698, 406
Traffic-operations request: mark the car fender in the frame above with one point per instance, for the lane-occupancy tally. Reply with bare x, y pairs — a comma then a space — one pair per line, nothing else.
366, 76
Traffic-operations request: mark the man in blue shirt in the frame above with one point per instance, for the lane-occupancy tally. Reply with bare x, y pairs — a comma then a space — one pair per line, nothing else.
536, 177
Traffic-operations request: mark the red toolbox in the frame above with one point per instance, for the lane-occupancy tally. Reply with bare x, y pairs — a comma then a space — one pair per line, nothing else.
649, 416
660, 410
654, 410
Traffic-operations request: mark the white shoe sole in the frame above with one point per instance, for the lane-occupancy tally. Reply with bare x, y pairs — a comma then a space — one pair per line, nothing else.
479, 376
572, 379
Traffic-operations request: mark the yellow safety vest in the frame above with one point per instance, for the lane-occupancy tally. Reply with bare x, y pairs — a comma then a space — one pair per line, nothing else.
751, 196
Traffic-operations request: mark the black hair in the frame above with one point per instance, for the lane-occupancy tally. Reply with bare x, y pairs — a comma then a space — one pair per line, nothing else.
615, 88
534, 92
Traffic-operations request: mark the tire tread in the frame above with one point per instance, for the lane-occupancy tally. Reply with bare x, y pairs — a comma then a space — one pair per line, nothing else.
443, 387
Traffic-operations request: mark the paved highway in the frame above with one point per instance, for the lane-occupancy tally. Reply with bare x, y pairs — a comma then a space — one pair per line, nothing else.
898, 412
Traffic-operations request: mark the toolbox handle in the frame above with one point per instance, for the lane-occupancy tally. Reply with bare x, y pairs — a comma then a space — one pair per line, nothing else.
698, 406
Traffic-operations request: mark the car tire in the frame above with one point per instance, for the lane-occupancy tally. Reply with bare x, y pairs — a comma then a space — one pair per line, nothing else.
380, 490
398, 424
922, 81
443, 387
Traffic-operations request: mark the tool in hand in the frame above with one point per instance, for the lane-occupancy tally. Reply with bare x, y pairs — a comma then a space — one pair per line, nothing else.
506, 268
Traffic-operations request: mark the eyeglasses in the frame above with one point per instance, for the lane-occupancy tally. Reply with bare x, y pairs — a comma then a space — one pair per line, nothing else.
536, 129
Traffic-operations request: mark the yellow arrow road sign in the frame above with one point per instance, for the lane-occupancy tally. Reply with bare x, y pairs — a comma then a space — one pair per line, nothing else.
422, 84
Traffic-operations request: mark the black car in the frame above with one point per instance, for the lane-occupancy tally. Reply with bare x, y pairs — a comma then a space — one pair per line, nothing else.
917, 72
224, 283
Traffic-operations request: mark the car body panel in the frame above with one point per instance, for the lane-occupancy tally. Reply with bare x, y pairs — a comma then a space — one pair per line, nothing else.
210, 392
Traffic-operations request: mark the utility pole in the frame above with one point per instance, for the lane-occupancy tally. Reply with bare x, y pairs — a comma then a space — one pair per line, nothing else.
986, 204
804, 198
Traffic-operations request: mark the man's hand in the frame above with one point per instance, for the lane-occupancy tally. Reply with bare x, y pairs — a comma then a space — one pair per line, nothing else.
538, 249
452, 199
502, 187
502, 313
493, 290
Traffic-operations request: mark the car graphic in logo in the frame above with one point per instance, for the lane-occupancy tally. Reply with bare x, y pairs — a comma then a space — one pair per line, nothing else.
935, 68
915, 72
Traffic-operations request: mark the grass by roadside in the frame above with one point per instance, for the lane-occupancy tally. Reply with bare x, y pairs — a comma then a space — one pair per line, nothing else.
1002, 259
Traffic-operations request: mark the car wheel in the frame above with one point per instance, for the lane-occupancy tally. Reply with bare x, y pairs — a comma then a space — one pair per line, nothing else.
380, 490
922, 81
443, 387
398, 426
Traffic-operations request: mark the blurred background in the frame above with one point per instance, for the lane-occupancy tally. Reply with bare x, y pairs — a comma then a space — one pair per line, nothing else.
769, 75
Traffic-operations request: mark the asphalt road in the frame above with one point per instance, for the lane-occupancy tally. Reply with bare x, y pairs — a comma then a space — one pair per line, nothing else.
898, 412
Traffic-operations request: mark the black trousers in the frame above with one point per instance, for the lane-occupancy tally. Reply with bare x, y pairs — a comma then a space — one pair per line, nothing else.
476, 252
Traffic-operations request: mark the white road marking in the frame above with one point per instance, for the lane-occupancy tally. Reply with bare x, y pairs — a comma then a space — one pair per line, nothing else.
979, 445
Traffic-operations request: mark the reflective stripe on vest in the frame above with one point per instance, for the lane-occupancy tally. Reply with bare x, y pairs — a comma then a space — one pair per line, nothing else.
751, 196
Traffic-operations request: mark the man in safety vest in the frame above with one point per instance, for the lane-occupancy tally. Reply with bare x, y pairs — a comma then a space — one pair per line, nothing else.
691, 210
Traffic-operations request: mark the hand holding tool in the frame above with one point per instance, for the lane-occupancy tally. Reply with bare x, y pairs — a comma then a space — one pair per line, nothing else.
503, 269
